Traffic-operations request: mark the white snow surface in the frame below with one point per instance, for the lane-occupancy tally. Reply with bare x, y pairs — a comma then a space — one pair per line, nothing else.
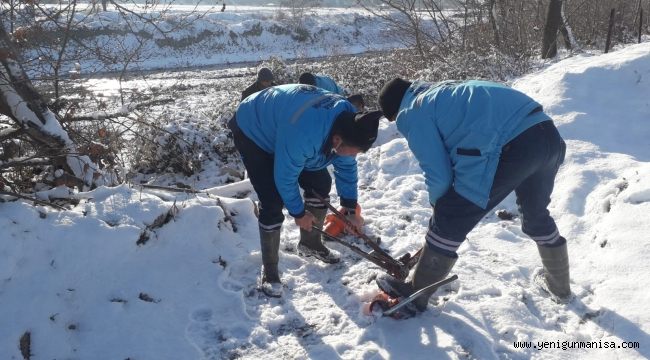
80, 285
188, 36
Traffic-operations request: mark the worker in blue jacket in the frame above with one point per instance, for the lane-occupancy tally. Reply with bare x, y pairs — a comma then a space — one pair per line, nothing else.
476, 142
287, 135
321, 81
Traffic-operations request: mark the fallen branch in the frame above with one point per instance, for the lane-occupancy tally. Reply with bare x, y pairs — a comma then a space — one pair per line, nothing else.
20, 162
123, 113
10, 133
168, 188
20, 101
35, 200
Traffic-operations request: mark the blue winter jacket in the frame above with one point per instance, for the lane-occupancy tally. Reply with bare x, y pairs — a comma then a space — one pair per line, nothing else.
456, 131
294, 123
327, 83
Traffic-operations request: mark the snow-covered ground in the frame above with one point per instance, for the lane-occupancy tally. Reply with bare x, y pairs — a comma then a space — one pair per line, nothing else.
148, 274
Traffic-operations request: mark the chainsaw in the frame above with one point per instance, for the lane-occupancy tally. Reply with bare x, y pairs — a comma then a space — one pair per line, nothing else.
398, 268
398, 307
395, 307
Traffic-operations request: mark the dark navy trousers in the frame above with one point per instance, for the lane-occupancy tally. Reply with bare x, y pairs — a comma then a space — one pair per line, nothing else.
259, 165
528, 166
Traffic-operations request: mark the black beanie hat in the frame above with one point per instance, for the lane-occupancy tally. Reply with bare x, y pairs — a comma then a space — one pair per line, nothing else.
356, 98
390, 96
307, 78
358, 129
265, 74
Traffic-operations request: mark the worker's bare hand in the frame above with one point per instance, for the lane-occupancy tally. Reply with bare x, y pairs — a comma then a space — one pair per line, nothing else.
306, 221
357, 225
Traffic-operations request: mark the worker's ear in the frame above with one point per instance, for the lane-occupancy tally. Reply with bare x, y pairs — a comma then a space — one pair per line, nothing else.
337, 140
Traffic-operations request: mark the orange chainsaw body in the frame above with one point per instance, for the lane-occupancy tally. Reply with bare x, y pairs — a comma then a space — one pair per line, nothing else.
335, 226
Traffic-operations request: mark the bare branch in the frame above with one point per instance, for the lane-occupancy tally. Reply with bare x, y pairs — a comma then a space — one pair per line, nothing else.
10, 133
118, 114
167, 188
35, 200
25, 161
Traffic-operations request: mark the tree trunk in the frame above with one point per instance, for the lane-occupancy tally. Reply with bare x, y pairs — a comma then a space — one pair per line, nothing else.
640, 12
567, 32
495, 24
610, 28
640, 24
553, 22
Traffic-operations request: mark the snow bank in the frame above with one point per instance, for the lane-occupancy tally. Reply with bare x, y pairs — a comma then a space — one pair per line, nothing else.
188, 37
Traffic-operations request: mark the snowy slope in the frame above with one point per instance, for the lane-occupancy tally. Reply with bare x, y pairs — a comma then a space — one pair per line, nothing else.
79, 283
188, 36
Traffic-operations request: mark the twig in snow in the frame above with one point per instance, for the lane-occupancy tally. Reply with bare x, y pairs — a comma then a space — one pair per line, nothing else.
147, 298
26, 345
157, 223
227, 215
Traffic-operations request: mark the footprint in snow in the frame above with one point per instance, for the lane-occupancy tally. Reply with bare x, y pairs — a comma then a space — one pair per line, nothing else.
213, 341
201, 315
204, 335
566, 317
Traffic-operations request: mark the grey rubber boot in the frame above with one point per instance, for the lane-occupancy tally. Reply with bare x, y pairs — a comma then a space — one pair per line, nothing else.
556, 279
311, 243
270, 283
431, 267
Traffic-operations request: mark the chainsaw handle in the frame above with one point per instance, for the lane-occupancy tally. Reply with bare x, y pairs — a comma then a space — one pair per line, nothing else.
399, 271
414, 296
363, 236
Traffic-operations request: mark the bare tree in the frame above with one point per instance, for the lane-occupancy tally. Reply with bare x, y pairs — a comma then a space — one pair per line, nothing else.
37, 124
42, 140
422, 24
61, 42
590, 19
512, 30
567, 32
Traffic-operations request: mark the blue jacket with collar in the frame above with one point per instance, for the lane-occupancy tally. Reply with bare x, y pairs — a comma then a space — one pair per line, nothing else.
327, 83
456, 131
293, 122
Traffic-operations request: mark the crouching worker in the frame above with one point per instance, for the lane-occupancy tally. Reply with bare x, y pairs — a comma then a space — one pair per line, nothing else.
476, 142
264, 80
287, 135
321, 81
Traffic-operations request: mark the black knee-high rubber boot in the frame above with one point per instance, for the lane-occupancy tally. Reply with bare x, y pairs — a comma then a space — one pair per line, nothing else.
556, 279
431, 267
270, 283
311, 243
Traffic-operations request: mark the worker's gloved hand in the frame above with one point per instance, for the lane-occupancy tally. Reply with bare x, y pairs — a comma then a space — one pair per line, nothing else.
306, 221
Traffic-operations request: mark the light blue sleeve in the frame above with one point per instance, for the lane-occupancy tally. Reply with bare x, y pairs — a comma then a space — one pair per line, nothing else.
340, 90
346, 178
429, 149
290, 157
327, 83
